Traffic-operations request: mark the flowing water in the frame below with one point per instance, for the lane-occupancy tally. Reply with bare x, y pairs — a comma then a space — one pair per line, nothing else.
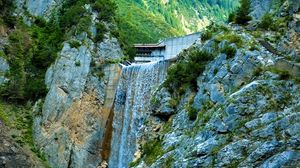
131, 106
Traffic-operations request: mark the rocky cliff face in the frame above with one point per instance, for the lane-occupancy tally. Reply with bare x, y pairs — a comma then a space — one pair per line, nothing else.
247, 106
70, 123
259, 8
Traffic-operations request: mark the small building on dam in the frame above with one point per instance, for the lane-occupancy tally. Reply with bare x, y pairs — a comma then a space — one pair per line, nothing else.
165, 49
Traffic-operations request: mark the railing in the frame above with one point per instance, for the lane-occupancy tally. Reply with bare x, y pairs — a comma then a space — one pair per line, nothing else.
148, 55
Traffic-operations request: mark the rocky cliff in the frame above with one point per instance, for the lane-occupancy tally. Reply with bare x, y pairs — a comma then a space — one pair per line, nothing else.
70, 123
244, 111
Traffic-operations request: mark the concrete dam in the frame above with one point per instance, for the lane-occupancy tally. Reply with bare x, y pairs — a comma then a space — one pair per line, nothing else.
165, 49
131, 102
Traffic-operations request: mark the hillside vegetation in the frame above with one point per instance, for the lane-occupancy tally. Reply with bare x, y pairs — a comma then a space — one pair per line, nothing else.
151, 20
231, 100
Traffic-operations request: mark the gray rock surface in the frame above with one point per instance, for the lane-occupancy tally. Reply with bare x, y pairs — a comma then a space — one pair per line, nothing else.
259, 8
109, 49
160, 103
4, 67
43, 8
69, 124
248, 113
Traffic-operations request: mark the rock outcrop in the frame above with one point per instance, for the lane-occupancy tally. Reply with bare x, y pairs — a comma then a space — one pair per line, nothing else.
42, 8
247, 111
70, 123
70, 126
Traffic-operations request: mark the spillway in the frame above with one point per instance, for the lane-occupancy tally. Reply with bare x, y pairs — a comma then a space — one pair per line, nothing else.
131, 106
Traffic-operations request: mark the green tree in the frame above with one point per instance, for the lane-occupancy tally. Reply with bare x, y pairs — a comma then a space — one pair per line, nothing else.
243, 13
231, 17
266, 21
16, 51
6, 8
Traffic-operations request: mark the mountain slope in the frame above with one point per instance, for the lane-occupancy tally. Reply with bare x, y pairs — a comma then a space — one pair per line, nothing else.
230, 100
151, 20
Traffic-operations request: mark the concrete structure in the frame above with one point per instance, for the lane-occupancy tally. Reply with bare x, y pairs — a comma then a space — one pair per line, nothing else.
165, 49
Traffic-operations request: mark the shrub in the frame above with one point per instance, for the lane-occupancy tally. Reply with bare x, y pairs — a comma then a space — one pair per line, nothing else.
84, 24
206, 35
17, 58
243, 13
192, 112
106, 9
74, 44
184, 74
231, 17
101, 30
173, 103
40, 22
229, 51
29, 53
152, 150
77, 63
71, 15
6, 11
266, 22
230, 37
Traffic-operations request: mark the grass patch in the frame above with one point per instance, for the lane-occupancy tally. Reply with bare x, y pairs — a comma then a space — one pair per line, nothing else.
4, 118
74, 44
229, 51
169, 162
206, 35
167, 127
20, 118
152, 150
135, 163
192, 112
230, 37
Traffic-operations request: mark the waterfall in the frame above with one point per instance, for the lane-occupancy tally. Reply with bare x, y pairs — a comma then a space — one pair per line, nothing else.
131, 107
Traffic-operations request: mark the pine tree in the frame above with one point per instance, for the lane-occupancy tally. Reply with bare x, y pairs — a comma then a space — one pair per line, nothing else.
243, 13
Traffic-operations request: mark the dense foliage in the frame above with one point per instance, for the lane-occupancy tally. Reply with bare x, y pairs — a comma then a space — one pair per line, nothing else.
152, 20
243, 12
6, 8
32, 49
29, 53
184, 73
